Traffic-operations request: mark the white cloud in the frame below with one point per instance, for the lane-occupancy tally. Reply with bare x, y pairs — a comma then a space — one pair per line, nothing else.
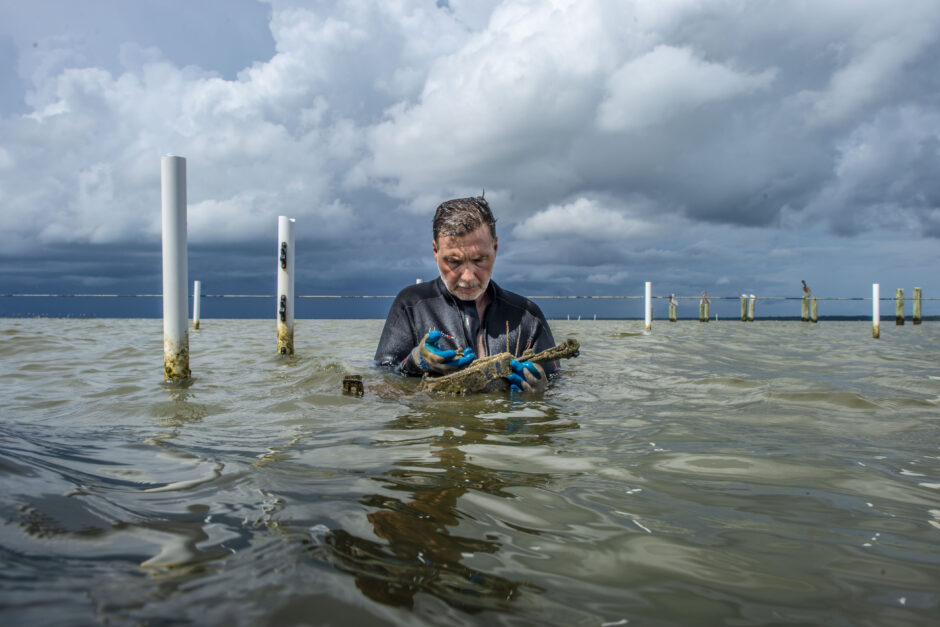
664, 83
584, 219
521, 87
271, 142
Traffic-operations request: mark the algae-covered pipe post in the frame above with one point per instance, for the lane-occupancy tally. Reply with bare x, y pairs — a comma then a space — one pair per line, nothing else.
899, 307
197, 293
703, 308
743, 307
648, 305
673, 307
285, 285
814, 313
804, 309
875, 310
917, 309
175, 281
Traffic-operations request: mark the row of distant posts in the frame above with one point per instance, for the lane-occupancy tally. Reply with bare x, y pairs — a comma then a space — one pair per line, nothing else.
898, 308
809, 311
809, 308
748, 305
175, 275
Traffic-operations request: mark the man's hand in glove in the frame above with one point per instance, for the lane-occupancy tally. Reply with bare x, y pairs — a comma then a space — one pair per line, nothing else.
527, 377
431, 358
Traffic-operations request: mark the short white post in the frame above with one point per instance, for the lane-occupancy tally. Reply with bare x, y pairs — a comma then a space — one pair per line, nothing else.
875, 310
649, 306
899, 306
285, 285
417, 281
197, 292
175, 333
750, 308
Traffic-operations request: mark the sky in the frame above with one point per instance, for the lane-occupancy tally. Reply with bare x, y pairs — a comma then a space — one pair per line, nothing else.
728, 146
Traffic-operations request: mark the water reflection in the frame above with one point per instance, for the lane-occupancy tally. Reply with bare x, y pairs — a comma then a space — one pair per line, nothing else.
179, 409
417, 511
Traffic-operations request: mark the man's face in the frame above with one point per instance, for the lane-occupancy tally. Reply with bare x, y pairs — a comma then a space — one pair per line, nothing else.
466, 262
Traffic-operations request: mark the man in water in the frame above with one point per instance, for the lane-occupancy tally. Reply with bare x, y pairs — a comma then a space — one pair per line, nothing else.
442, 326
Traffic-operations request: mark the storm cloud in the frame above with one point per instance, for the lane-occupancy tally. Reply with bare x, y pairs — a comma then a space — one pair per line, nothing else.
701, 145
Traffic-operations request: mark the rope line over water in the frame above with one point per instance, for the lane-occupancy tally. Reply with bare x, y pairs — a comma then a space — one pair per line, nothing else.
541, 297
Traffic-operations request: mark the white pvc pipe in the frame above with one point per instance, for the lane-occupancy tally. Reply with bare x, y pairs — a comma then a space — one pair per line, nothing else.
285, 285
649, 305
875, 310
197, 293
175, 333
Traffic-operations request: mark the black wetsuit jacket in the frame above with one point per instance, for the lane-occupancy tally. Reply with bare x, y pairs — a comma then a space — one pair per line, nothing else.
430, 306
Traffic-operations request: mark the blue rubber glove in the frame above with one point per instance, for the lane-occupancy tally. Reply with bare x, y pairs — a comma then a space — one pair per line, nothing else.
527, 377
432, 358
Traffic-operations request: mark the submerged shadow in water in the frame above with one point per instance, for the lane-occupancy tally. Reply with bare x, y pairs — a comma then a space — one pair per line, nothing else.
421, 554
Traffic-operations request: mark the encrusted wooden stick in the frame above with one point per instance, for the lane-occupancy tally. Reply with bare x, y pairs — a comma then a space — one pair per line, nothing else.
479, 375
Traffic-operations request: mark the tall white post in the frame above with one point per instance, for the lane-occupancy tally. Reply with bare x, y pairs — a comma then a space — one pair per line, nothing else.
175, 281
197, 292
648, 300
875, 310
285, 285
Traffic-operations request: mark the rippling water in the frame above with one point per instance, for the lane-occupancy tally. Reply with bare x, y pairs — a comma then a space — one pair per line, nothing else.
773, 472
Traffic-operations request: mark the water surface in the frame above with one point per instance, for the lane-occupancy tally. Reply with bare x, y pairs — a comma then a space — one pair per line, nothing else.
720, 473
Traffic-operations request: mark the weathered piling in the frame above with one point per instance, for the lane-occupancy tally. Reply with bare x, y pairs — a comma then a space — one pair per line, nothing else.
673, 307
197, 293
899, 307
702, 312
917, 309
750, 308
804, 309
814, 314
648, 300
743, 307
175, 281
875, 310
285, 285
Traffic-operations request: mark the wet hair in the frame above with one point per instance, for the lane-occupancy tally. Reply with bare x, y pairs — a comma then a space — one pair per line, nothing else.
461, 216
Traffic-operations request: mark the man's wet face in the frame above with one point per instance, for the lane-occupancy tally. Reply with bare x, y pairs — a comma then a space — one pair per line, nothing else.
466, 262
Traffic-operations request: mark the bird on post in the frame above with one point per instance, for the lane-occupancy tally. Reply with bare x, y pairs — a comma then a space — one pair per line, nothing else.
806, 290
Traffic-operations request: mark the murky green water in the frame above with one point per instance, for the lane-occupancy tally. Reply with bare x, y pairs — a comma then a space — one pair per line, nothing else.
719, 473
